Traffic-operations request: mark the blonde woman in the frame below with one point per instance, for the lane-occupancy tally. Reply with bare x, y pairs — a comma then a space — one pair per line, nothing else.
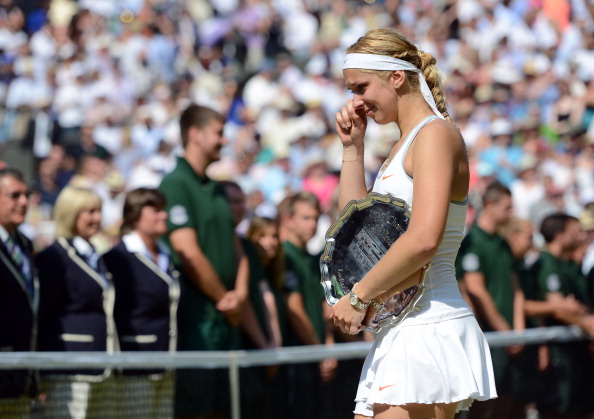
436, 361
76, 308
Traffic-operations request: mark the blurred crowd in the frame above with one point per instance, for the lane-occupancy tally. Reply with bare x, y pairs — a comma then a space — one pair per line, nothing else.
91, 92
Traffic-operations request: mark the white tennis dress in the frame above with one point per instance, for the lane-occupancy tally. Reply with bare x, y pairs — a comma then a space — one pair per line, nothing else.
438, 354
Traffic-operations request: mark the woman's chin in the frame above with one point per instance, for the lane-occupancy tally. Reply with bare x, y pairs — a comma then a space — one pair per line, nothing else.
378, 119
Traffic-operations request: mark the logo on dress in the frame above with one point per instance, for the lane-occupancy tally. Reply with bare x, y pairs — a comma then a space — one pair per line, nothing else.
387, 176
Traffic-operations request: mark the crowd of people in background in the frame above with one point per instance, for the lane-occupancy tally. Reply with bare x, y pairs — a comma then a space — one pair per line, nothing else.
92, 95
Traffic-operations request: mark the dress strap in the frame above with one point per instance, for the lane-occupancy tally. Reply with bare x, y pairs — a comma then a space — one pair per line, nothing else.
411, 136
413, 133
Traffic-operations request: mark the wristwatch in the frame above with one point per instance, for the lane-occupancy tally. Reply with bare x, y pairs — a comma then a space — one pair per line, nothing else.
356, 302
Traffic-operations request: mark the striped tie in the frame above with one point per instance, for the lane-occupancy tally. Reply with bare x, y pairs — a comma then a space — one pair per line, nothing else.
16, 254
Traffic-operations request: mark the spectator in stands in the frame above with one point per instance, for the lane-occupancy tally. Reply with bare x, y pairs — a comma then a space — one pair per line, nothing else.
19, 296
318, 180
76, 307
147, 297
209, 255
527, 189
502, 154
146, 63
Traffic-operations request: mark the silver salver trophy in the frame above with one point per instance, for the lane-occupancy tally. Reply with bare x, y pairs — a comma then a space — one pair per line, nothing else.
362, 233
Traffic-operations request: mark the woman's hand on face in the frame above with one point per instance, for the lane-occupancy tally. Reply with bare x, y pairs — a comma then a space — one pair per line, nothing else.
346, 317
351, 123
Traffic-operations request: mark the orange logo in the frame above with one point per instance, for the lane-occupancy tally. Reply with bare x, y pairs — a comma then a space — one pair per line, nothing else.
387, 176
384, 387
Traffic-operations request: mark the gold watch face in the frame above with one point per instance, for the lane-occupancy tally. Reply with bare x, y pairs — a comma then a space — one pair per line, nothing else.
354, 300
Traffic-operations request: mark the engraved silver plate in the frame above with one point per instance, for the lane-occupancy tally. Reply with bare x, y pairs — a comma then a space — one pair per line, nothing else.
361, 235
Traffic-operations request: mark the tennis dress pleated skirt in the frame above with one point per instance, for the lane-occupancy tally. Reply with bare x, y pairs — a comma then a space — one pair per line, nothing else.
442, 362
438, 354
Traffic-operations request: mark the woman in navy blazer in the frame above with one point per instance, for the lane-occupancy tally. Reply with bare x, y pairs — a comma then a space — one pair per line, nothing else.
76, 307
147, 297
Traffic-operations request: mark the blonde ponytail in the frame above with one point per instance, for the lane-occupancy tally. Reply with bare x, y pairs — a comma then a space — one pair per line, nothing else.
433, 78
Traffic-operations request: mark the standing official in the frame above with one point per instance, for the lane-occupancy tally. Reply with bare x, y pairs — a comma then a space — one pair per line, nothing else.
305, 304
486, 266
558, 277
76, 308
18, 296
209, 255
147, 296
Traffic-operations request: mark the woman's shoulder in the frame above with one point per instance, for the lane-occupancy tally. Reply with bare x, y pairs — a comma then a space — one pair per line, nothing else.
51, 250
117, 253
51, 258
440, 137
441, 130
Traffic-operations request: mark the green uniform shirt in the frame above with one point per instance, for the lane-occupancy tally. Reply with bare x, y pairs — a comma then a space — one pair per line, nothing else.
490, 255
199, 203
570, 375
303, 276
557, 275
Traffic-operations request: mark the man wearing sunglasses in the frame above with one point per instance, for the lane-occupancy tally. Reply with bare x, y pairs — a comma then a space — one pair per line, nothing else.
18, 295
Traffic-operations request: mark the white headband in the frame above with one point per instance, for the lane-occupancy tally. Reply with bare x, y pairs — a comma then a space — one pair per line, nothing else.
383, 62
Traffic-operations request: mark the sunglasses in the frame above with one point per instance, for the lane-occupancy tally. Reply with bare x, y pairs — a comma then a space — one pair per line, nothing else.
16, 195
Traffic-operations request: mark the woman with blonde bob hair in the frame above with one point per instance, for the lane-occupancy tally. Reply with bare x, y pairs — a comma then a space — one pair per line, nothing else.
76, 307
436, 361
71, 201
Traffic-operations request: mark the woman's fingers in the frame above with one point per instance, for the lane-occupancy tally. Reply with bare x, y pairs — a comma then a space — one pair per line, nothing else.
352, 114
340, 120
356, 111
349, 328
343, 117
344, 318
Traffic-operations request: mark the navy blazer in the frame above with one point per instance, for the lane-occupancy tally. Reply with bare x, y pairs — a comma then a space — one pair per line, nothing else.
18, 319
146, 301
76, 303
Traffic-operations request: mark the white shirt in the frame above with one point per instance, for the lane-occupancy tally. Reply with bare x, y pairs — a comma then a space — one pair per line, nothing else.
135, 244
